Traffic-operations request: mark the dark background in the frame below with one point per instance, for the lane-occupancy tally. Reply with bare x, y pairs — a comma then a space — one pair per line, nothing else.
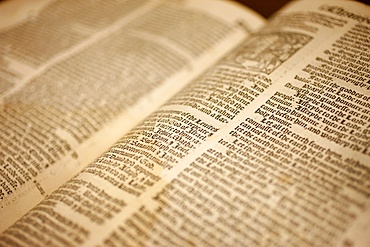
268, 7
265, 8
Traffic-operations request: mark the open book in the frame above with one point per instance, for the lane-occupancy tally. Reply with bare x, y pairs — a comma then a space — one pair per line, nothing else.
184, 122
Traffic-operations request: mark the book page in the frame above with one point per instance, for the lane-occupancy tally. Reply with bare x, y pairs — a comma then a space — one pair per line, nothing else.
75, 76
269, 147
